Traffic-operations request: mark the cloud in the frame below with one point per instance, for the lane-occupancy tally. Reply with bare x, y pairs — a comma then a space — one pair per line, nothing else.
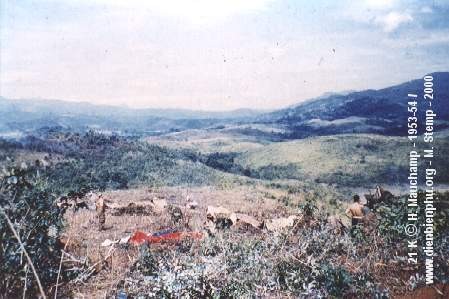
380, 4
426, 9
277, 51
419, 40
214, 54
393, 20
199, 11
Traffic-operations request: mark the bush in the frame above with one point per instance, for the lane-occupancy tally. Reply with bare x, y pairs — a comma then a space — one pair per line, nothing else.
147, 264
307, 264
223, 161
336, 280
308, 207
28, 204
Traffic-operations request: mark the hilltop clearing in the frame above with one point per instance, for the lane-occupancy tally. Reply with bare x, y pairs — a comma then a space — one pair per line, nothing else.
312, 258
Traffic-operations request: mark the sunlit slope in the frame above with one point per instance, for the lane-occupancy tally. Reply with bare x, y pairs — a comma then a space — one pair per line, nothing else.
206, 141
344, 159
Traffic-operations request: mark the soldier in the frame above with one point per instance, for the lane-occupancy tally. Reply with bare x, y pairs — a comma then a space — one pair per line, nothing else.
356, 211
100, 207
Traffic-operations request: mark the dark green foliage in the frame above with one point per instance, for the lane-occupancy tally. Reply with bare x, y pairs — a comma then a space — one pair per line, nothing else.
381, 111
441, 221
236, 289
385, 174
308, 206
392, 219
25, 199
392, 215
223, 161
146, 264
227, 162
336, 280
293, 276
97, 162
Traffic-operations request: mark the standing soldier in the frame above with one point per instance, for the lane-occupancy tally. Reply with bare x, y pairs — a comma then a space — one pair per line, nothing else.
100, 207
356, 211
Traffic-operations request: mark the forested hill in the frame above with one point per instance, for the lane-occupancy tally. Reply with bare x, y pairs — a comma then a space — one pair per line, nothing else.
371, 111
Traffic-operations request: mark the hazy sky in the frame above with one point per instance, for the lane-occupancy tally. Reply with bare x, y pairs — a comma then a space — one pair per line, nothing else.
215, 54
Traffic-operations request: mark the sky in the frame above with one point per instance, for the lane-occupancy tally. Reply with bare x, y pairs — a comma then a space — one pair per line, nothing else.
215, 54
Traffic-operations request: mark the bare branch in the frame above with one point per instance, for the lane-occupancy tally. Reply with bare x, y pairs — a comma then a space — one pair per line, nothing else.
30, 262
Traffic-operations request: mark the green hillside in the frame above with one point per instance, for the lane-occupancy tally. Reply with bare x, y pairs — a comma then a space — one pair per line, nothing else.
343, 160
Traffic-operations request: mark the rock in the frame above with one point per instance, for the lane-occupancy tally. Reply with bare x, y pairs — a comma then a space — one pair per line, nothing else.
238, 218
108, 242
279, 224
217, 212
124, 240
159, 205
218, 217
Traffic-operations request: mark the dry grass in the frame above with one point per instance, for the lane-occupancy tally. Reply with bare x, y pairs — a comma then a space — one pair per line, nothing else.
85, 239
241, 258
207, 141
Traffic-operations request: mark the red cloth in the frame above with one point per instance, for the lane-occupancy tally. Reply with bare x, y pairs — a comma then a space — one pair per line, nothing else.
139, 237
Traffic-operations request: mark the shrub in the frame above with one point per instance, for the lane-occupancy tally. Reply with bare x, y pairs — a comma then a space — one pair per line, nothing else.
28, 204
147, 264
308, 206
336, 280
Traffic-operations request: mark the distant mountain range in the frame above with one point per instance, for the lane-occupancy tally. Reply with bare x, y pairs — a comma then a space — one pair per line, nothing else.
27, 115
381, 111
40, 107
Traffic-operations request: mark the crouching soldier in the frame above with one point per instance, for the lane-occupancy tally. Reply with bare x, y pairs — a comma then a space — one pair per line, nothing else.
356, 211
